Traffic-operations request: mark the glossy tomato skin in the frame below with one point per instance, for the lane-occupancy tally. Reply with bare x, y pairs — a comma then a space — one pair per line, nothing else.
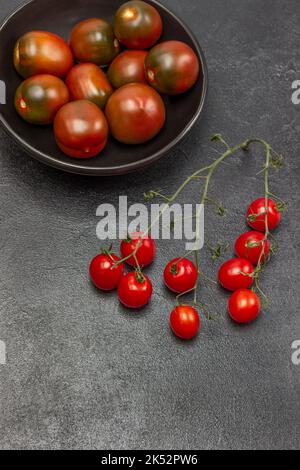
180, 275
128, 67
80, 129
251, 246
89, 82
38, 98
138, 25
244, 306
145, 253
235, 274
172, 67
185, 322
134, 292
136, 113
40, 52
103, 272
256, 215
93, 40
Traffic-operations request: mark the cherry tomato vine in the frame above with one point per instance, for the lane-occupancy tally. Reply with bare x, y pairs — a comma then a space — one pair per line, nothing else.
261, 249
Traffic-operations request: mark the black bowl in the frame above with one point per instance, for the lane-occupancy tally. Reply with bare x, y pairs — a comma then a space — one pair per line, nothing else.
59, 16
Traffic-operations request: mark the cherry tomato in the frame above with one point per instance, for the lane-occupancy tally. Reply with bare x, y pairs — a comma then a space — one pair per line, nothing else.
103, 272
138, 25
128, 67
235, 274
80, 129
256, 215
251, 246
38, 98
145, 253
135, 290
172, 67
40, 52
185, 322
180, 275
93, 41
244, 306
136, 113
89, 82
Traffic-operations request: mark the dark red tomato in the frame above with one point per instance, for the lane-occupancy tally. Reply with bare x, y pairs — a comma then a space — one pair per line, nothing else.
136, 113
128, 67
252, 246
236, 274
185, 322
93, 41
256, 215
40, 52
80, 129
180, 275
135, 290
244, 306
138, 25
103, 272
89, 82
145, 253
172, 67
38, 98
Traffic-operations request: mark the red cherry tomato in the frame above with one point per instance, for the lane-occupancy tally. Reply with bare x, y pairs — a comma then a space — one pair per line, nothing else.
81, 130
89, 82
256, 215
38, 98
185, 322
244, 306
128, 67
135, 290
145, 253
40, 52
138, 25
180, 275
172, 67
103, 272
136, 113
235, 274
251, 246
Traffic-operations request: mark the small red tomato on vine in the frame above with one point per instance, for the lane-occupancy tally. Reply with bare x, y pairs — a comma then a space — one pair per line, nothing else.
252, 246
236, 274
180, 275
145, 253
256, 215
104, 273
185, 322
135, 290
244, 306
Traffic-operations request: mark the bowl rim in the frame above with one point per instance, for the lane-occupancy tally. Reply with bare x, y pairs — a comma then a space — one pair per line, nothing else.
71, 166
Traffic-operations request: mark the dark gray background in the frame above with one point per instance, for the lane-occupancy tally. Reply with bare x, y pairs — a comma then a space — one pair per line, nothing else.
82, 372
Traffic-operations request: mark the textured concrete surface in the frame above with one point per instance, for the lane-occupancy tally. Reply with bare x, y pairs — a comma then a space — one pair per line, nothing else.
82, 372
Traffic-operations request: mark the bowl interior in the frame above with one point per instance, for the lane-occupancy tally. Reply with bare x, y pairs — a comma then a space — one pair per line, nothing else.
59, 16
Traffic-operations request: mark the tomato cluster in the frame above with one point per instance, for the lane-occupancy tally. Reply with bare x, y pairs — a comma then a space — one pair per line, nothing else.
125, 100
252, 249
107, 270
135, 288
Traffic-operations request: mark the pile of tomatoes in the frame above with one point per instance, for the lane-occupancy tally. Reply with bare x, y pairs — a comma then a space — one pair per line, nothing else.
107, 272
66, 84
